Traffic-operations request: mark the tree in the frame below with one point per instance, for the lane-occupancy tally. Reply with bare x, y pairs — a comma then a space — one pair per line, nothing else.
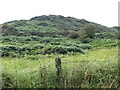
87, 33
83, 37
89, 30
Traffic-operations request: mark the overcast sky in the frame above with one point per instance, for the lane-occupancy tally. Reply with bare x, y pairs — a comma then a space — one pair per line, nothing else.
103, 12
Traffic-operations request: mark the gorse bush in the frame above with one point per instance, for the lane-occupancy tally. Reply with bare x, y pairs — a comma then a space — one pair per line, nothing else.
17, 51
61, 49
14, 51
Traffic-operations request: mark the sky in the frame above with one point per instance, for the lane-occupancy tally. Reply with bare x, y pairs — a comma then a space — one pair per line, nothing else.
104, 12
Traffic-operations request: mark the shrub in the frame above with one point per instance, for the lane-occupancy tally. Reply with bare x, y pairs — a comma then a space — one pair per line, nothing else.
87, 33
89, 30
43, 24
104, 43
14, 51
33, 58
9, 30
84, 46
61, 49
85, 40
6, 80
73, 35
106, 35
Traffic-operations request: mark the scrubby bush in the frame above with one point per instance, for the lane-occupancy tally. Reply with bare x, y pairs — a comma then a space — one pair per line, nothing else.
106, 35
9, 30
85, 40
43, 24
6, 81
73, 35
100, 43
55, 43
87, 33
61, 49
10, 50
84, 46
33, 57
16, 51
90, 30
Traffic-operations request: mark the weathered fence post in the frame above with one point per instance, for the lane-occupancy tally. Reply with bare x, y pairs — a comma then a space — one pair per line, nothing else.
58, 71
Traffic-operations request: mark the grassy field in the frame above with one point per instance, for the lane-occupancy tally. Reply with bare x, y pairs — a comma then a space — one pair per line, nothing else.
96, 68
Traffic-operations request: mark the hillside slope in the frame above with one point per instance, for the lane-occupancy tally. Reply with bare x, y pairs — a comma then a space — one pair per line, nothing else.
49, 26
53, 34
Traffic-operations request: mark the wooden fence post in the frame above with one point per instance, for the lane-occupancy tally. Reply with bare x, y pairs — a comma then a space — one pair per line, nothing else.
58, 71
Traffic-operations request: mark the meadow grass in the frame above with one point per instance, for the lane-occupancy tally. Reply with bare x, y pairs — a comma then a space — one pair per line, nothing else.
96, 68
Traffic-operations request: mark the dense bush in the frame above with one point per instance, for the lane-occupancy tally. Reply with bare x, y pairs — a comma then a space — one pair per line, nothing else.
9, 30
6, 81
89, 30
32, 57
87, 33
61, 49
106, 35
73, 35
101, 43
17, 51
84, 46
12, 51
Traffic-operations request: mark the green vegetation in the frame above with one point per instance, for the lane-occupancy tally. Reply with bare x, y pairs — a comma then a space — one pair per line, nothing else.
95, 69
88, 52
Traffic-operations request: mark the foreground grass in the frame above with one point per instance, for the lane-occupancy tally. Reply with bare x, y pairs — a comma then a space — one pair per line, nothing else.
95, 69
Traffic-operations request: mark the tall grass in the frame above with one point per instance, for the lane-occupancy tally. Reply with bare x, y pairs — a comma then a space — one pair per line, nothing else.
95, 69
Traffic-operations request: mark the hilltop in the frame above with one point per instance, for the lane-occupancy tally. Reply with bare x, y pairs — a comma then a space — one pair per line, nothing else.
51, 25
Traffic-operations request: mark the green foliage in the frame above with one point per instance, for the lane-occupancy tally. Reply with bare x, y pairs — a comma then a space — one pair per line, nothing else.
61, 49
73, 35
88, 31
17, 51
103, 43
82, 36
9, 30
30, 46
84, 46
52, 26
34, 45
7, 82
33, 57
107, 35
95, 69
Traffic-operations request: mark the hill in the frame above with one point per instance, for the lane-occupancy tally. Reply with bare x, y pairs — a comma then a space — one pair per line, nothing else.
88, 53
51, 25
54, 34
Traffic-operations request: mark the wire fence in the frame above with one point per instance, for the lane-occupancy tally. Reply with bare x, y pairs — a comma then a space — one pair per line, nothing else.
52, 63
60, 70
